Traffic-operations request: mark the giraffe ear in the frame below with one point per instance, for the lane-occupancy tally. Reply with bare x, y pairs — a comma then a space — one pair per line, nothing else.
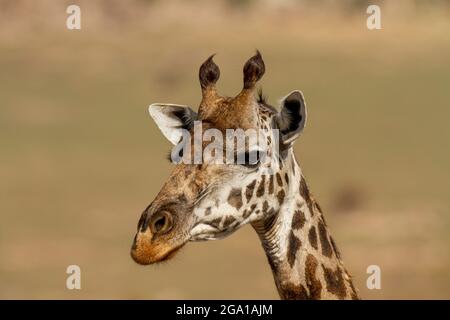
292, 118
172, 119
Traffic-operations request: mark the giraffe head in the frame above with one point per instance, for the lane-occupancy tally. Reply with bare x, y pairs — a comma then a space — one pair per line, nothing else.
208, 196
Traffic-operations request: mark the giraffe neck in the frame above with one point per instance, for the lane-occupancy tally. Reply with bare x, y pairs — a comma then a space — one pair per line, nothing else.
304, 259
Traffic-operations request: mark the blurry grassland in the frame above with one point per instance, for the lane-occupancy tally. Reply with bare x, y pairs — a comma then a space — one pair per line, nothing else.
80, 158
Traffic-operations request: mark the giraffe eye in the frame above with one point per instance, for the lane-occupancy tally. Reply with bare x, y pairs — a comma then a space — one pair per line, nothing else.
250, 159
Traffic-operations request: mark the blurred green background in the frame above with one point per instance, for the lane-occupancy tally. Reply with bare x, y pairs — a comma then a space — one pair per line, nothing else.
80, 158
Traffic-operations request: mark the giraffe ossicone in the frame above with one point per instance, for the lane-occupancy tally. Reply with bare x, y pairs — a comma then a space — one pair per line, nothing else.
210, 195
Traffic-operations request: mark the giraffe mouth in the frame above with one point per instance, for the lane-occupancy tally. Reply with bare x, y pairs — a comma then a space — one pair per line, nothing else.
146, 259
205, 231
145, 252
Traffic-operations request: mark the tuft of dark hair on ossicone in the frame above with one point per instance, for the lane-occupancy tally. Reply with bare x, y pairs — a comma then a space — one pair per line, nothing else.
209, 73
254, 69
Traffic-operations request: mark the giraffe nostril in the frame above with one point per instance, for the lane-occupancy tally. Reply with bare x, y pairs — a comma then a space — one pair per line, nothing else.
161, 222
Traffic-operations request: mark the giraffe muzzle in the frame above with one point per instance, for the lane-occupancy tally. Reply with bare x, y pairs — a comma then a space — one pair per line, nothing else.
153, 242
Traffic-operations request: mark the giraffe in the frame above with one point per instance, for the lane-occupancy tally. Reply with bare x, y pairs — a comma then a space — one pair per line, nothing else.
208, 201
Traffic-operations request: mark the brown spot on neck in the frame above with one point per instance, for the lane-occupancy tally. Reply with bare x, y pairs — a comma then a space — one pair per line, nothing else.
313, 284
312, 237
325, 243
279, 180
271, 184
298, 220
286, 178
293, 246
290, 291
280, 196
335, 281
304, 192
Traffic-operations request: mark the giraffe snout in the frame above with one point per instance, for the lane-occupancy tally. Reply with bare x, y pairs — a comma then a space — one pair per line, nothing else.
152, 242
